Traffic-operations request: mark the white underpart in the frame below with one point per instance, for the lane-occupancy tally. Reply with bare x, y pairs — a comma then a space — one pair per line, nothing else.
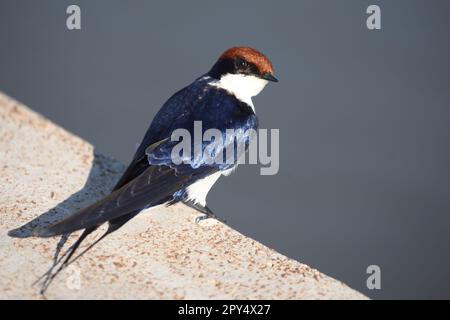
198, 191
242, 86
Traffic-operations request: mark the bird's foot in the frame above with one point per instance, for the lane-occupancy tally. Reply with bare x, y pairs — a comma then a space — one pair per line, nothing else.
208, 216
207, 213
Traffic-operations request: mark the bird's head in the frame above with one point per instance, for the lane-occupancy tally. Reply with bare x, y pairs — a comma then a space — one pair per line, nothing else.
243, 71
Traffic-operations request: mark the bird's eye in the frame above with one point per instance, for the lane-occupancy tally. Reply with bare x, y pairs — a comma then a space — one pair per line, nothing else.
242, 63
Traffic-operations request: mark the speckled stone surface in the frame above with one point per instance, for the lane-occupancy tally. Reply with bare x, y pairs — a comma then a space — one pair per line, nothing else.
47, 173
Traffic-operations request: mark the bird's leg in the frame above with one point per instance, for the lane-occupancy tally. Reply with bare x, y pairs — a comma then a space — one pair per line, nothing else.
208, 214
203, 209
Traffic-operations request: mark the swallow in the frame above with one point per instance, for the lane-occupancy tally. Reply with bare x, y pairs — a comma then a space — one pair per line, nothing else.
220, 99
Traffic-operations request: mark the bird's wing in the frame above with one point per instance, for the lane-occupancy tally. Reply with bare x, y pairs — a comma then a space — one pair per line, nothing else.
197, 102
138, 165
154, 186
175, 110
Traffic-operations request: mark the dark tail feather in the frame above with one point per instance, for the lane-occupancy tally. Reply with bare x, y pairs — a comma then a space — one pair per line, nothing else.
49, 275
113, 226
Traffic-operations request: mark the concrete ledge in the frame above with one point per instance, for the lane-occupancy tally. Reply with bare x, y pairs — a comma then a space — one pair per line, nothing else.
47, 173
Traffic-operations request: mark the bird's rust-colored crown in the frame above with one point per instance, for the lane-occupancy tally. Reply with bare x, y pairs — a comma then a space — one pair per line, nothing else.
251, 55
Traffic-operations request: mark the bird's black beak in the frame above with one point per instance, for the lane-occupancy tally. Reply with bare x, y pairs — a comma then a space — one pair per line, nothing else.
269, 77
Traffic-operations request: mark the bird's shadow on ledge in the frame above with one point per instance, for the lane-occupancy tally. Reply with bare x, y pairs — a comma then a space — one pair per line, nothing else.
104, 173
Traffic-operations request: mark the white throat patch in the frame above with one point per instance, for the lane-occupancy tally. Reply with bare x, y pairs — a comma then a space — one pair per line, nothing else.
242, 86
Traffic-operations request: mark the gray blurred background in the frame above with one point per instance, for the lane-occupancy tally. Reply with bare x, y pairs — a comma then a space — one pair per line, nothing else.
364, 116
